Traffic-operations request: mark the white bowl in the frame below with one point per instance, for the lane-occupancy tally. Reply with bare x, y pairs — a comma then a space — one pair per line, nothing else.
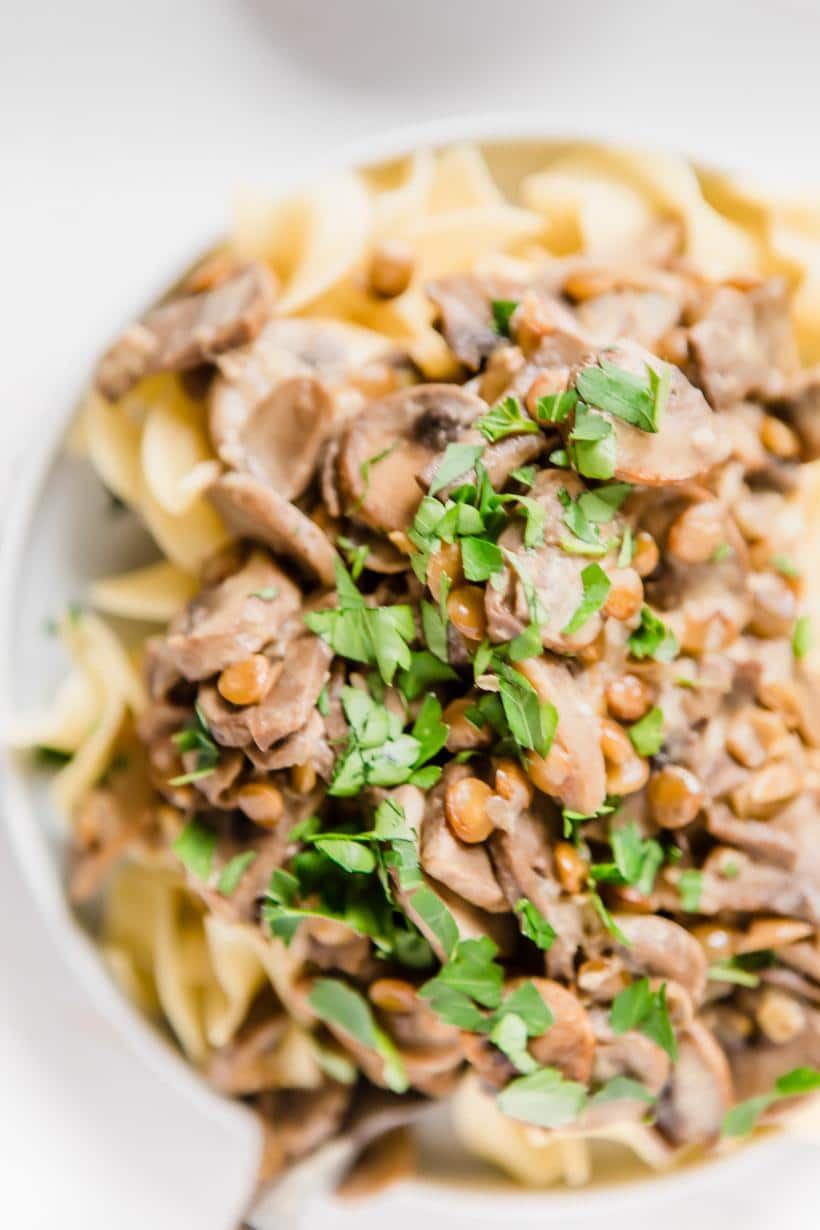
59, 535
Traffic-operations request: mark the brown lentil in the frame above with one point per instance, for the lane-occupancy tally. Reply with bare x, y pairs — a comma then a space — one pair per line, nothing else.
646, 555
628, 777
465, 608
695, 535
570, 866
675, 796
628, 698
778, 438
512, 783
465, 807
625, 596
446, 561
247, 681
392, 994
262, 803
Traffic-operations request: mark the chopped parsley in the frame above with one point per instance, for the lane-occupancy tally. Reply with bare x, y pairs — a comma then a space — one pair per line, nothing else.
378, 636
480, 558
337, 1004
785, 565
592, 444
533, 924
195, 847
532, 722
741, 1119
690, 887
458, 460
639, 1007
596, 586
544, 1098
196, 737
646, 735
267, 594
556, 407
636, 399
505, 419
652, 638
233, 871
802, 637
502, 310
379, 752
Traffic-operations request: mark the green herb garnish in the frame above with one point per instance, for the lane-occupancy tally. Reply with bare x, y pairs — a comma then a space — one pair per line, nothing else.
646, 735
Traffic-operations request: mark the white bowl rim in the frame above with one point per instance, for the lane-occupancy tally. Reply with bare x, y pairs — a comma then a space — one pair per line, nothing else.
26, 833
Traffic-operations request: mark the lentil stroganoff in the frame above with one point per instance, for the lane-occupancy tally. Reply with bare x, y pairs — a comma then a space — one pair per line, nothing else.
475, 753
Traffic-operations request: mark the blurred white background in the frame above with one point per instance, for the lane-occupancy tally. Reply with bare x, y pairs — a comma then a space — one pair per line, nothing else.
124, 130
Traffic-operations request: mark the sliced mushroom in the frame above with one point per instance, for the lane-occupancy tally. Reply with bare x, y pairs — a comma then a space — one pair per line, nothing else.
190, 330
229, 620
757, 837
631, 1054
645, 315
279, 440
662, 948
689, 441
286, 708
554, 572
744, 343
464, 307
575, 764
252, 510
392, 442
522, 858
756, 888
569, 1043
700, 1092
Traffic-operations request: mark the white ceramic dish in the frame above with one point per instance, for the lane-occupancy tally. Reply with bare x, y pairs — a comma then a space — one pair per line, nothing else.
59, 536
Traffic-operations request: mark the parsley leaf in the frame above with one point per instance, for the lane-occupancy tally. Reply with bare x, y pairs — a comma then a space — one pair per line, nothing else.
502, 310
785, 565
639, 1007
592, 444
544, 1098
267, 594
435, 915
233, 871
335, 1003
646, 735
652, 638
532, 722
637, 859
425, 669
533, 924
195, 847
596, 586
690, 887
556, 407
802, 637
480, 558
509, 1034
349, 854
620, 1088
638, 400
196, 737
505, 419
378, 636
740, 1120
458, 460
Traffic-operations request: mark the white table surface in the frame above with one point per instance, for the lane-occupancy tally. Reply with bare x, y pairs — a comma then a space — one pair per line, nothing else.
123, 125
